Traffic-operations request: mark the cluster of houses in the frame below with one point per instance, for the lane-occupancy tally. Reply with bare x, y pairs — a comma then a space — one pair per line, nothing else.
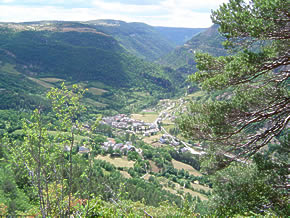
167, 139
121, 146
121, 121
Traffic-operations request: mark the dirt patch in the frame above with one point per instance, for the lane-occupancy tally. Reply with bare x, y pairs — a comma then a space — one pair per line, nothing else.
147, 176
154, 168
125, 174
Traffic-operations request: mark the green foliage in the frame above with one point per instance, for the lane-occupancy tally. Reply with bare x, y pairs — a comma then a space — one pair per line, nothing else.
133, 155
66, 104
247, 109
250, 189
55, 176
94, 59
258, 19
67, 107
125, 208
182, 58
17, 91
187, 158
139, 39
16, 200
11, 118
251, 108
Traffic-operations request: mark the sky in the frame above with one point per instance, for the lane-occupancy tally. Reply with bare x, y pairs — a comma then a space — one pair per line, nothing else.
171, 13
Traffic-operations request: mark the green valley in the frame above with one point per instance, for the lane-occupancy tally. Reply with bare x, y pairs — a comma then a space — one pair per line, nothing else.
107, 118
77, 53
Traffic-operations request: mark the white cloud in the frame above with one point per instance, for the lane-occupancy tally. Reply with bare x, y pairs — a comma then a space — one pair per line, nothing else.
20, 14
186, 13
125, 8
193, 4
175, 13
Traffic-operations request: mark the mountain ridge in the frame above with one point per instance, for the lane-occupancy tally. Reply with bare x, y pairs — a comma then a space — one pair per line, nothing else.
207, 41
68, 52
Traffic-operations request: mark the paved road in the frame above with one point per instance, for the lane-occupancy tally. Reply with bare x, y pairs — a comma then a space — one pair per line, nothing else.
188, 146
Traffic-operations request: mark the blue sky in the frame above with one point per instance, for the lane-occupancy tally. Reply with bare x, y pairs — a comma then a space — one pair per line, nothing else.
173, 13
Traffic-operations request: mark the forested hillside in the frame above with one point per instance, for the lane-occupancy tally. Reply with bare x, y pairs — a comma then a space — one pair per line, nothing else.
40, 55
140, 39
209, 41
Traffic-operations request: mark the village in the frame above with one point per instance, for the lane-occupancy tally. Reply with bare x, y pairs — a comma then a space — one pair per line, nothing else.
126, 124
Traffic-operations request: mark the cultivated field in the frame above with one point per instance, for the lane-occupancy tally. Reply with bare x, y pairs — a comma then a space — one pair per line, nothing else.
152, 139
42, 83
96, 91
125, 174
146, 117
118, 161
179, 165
200, 187
93, 103
177, 188
51, 80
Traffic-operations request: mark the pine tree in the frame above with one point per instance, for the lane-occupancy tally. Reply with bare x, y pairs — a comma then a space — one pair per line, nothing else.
246, 115
252, 83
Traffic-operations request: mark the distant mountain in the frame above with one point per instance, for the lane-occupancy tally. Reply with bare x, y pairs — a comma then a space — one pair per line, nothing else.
209, 41
140, 39
178, 35
36, 56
